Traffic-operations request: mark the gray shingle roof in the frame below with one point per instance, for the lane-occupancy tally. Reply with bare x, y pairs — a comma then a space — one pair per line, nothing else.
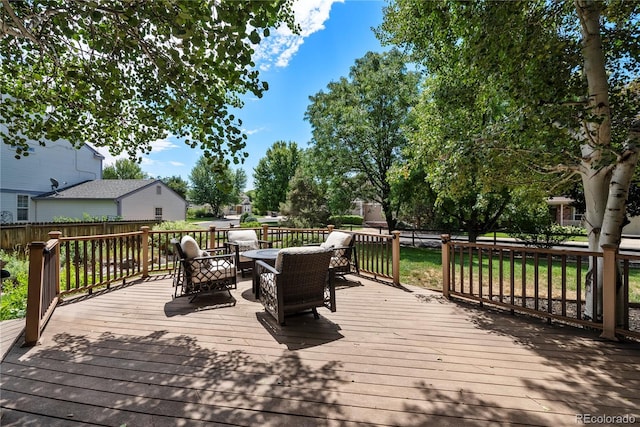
100, 189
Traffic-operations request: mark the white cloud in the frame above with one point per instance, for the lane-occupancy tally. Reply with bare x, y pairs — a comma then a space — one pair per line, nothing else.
252, 131
156, 147
282, 44
177, 164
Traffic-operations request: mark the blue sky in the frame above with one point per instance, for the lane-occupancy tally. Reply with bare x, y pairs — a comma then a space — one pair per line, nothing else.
334, 34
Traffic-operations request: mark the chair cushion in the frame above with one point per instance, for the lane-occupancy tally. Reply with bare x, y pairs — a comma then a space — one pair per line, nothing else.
247, 245
336, 239
242, 236
212, 270
295, 251
190, 247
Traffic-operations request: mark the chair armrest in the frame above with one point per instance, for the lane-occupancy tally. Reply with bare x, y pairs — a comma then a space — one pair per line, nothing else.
215, 251
261, 265
265, 242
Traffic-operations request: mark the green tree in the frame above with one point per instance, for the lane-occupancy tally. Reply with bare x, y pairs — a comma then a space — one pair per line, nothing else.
306, 204
123, 74
124, 169
177, 184
215, 186
568, 69
272, 175
357, 124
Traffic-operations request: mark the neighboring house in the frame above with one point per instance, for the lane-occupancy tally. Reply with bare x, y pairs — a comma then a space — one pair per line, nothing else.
565, 214
129, 199
56, 166
240, 208
371, 212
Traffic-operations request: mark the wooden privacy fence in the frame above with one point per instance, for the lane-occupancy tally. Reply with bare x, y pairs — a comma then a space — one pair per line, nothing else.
18, 236
69, 265
543, 282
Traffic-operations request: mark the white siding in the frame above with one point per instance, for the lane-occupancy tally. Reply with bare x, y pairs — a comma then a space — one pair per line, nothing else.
634, 227
31, 174
142, 204
47, 210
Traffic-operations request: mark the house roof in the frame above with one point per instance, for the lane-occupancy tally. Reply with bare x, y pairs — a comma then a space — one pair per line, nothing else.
102, 189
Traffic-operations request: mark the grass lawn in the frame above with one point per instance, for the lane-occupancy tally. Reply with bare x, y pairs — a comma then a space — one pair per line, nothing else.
423, 267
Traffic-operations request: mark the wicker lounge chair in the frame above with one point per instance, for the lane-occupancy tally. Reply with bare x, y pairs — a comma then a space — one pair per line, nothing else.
198, 271
239, 241
301, 280
344, 254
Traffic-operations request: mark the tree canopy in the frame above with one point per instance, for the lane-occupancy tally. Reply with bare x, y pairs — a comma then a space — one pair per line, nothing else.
273, 174
214, 186
123, 74
555, 81
177, 184
357, 124
124, 169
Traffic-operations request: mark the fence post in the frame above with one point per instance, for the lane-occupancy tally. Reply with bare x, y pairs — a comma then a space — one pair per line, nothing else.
446, 242
609, 274
395, 259
212, 237
145, 250
34, 293
265, 231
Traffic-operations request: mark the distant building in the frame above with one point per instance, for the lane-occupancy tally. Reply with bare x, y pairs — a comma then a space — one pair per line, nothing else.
129, 199
60, 181
565, 214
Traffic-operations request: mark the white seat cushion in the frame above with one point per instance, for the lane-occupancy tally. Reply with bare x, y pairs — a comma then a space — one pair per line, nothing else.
190, 247
337, 239
242, 236
212, 270
297, 250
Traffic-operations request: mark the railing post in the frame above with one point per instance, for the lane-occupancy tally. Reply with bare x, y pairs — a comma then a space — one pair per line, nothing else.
213, 243
395, 259
56, 235
609, 274
145, 250
446, 242
34, 293
265, 231
330, 228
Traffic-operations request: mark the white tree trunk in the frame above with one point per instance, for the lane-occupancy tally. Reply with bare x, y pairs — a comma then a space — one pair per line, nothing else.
606, 182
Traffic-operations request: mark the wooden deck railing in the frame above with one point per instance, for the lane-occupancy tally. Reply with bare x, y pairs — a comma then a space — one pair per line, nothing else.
68, 265
542, 282
44, 286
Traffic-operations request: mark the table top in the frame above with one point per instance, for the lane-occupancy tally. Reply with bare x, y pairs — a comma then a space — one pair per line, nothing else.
271, 253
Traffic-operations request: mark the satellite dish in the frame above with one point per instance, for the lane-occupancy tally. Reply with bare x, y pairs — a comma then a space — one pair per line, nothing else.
54, 183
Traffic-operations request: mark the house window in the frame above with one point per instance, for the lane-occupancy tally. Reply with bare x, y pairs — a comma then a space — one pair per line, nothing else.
158, 214
577, 215
23, 207
158, 190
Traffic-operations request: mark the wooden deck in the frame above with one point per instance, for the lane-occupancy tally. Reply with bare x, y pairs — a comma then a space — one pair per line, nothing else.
388, 357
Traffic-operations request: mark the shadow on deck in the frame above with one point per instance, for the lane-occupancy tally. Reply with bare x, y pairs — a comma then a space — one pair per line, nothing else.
135, 356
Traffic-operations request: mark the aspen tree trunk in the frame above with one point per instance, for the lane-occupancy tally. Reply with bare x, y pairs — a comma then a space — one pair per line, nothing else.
606, 182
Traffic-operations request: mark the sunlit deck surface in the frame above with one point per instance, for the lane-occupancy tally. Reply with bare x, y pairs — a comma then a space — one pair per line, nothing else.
391, 357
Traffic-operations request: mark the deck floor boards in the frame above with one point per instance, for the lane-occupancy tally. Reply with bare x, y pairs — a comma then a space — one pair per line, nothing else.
135, 356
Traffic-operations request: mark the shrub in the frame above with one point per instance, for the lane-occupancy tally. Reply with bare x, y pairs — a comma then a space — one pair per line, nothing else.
250, 224
248, 218
13, 304
346, 220
548, 236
